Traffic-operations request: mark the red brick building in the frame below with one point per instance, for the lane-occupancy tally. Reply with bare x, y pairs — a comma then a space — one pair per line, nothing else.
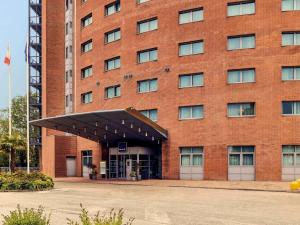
221, 77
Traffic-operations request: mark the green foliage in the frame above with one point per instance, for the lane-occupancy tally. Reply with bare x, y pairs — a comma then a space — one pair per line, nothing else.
27, 217
113, 218
23, 181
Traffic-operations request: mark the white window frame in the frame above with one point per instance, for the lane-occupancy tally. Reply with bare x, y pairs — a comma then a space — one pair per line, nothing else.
241, 154
240, 71
294, 72
191, 15
115, 36
147, 113
240, 37
148, 24
191, 155
241, 4
90, 72
241, 109
191, 47
148, 51
191, 76
191, 112
87, 20
294, 109
115, 88
87, 46
90, 97
115, 64
148, 84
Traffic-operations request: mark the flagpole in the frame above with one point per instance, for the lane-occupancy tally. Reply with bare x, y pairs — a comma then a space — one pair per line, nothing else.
28, 110
9, 107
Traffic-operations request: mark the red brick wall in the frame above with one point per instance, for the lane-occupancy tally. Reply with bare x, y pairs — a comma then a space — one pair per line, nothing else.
268, 130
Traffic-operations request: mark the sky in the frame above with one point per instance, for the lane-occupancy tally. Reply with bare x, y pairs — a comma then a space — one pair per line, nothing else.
13, 30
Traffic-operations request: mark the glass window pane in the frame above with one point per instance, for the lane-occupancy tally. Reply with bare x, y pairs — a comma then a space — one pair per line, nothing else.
185, 113
248, 75
197, 48
185, 81
143, 27
184, 18
234, 77
298, 159
248, 8
297, 39
197, 150
234, 110
287, 74
287, 108
197, 112
234, 43
153, 55
288, 160
248, 42
287, 39
153, 25
110, 93
185, 49
297, 73
118, 91
153, 85
234, 159
185, 160
144, 57
233, 10
297, 7
197, 15
143, 86
248, 149
297, 108
248, 159
287, 5
197, 80
153, 115
288, 149
185, 150
248, 109
235, 149
197, 160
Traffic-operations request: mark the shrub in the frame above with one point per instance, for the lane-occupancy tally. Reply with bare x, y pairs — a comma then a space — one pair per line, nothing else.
113, 218
23, 181
27, 217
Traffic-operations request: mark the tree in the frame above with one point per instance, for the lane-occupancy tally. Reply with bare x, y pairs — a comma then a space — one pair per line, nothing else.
10, 145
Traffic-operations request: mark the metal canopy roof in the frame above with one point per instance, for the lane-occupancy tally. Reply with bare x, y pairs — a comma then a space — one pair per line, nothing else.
108, 126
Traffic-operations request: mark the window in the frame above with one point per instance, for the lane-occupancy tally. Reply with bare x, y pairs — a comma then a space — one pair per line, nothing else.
67, 77
240, 8
151, 114
190, 16
241, 155
147, 85
67, 28
147, 55
112, 36
67, 101
241, 42
113, 91
291, 73
87, 20
291, 155
83, 1
112, 8
191, 156
290, 38
241, 76
191, 48
87, 97
290, 5
87, 46
241, 109
191, 80
86, 72
191, 112
291, 108
142, 1
112, 64
67, 52
147, 25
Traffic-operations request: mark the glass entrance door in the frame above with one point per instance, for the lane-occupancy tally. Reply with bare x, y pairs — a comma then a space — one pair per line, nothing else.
122, 166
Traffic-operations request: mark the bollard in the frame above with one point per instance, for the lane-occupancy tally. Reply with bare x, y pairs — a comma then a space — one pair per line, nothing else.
294, 186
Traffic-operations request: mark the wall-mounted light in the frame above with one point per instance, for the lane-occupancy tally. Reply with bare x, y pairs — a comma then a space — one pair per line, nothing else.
97, 124
74, 126
123, 122
84, 129
106, 127
146, 134
116, 131
124, 135
153, 138
131, 126
95, 132
105, 137
140, 130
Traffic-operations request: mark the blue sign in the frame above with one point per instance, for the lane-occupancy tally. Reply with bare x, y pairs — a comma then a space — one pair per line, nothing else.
122, 146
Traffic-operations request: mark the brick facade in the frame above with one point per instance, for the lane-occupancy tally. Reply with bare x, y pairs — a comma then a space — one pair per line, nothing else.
267, 131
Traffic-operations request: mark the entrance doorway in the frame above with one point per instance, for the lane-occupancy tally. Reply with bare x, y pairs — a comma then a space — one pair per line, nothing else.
87, 161
145, 160
71, 166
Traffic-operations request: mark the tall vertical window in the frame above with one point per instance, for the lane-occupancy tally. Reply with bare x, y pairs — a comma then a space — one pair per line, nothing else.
241, 42
87, 46
112, 8
241, 155
191, 112
113, 91
290, 5
147, 25
290, 38
87, 20
241, 109
151, 114
86, 72
190, 16
291, 155
291, 73
241, 76
112, 36
191, 48
191, 80
291, 108
147, 85
114, 63
240, 8
147, 55
87, 97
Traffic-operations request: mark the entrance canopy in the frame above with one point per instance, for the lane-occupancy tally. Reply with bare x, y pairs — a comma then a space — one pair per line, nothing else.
108, 126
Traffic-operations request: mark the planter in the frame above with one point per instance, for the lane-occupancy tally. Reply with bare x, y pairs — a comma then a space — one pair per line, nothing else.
93, 176
133, 178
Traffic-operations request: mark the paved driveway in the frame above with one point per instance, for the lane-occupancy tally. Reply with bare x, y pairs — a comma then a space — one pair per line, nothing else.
152, 205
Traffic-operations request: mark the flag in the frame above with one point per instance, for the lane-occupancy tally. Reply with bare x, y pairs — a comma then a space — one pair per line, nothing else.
7, 57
